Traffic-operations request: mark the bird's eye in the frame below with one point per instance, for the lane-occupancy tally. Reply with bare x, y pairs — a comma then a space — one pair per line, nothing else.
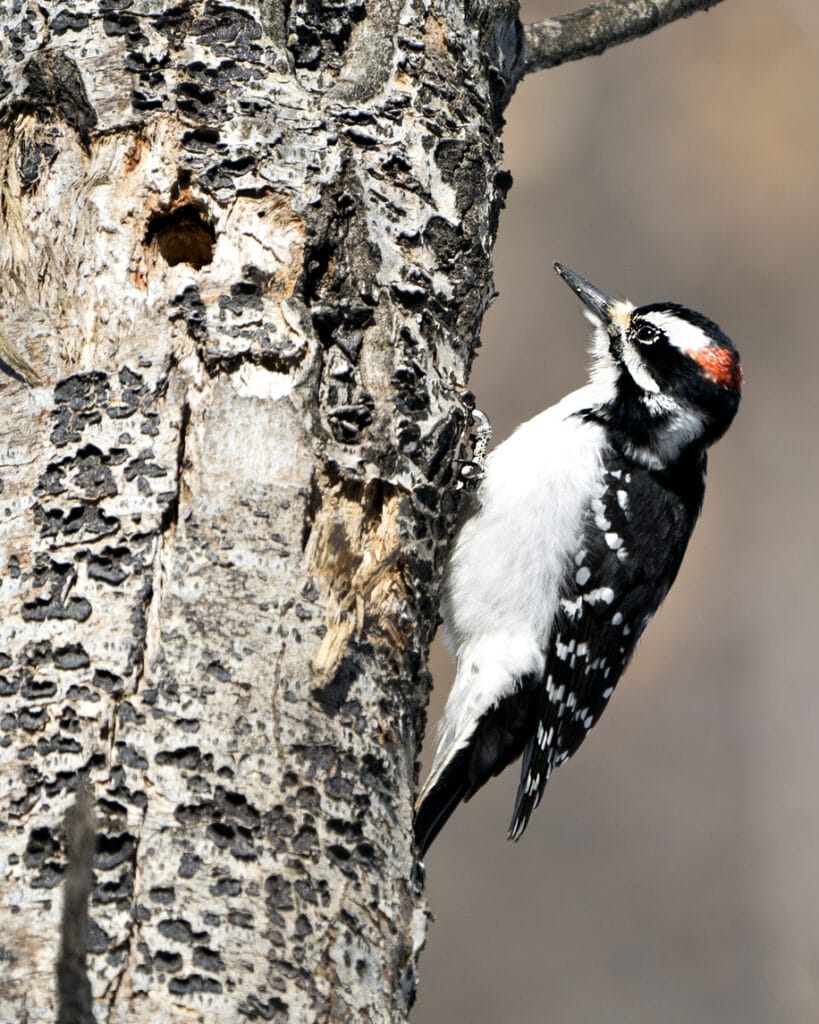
646, 334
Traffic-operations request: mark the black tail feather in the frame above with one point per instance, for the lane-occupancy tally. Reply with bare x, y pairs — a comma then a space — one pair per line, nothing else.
441, 801
498, 739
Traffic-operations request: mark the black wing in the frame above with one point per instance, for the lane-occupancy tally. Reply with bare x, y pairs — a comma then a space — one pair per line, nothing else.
635, 535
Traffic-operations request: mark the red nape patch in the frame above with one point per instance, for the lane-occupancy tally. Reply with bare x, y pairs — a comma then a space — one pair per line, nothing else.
719, 365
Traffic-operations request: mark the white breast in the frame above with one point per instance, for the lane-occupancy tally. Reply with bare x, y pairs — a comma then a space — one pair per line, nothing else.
503, 577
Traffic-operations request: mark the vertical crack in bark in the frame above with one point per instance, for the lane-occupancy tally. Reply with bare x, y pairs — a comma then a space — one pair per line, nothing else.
162, 566
276, 696
171, 516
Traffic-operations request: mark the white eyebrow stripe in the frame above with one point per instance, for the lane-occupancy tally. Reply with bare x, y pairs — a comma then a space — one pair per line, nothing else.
680, 333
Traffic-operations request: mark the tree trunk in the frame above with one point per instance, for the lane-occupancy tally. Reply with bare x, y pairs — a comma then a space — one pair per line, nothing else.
247, 248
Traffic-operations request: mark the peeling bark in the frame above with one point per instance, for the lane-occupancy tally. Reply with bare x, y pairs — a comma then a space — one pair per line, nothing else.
247, 248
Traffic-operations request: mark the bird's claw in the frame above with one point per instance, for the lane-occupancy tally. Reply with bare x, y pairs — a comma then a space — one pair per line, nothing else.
471, 470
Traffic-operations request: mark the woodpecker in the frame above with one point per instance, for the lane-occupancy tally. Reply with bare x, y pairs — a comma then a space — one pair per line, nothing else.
576, 531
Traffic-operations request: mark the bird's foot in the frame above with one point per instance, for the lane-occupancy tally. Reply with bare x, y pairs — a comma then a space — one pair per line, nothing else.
472, 470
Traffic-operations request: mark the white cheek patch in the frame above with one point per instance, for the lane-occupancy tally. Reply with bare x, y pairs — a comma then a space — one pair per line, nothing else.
639, 374
680, 333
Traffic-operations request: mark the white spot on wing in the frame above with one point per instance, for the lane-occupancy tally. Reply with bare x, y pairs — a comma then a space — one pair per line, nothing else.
600, 520
574, 609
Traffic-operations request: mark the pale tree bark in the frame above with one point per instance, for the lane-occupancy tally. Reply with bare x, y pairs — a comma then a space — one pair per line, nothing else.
247, 248
244, 257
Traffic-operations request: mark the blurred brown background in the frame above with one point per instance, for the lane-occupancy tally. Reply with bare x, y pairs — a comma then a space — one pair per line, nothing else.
672, 871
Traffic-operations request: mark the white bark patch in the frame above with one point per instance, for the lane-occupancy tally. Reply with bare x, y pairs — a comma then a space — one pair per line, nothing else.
256, 382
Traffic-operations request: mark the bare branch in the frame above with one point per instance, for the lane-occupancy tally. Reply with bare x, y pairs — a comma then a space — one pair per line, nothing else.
590, 31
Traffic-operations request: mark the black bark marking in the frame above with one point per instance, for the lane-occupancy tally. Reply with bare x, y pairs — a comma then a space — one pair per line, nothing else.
189, 306
114, 850
318, 33
55, 89
79, 400
193, 983
333, 695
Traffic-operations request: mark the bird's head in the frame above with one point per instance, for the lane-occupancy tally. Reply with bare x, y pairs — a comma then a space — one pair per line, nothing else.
670, 369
